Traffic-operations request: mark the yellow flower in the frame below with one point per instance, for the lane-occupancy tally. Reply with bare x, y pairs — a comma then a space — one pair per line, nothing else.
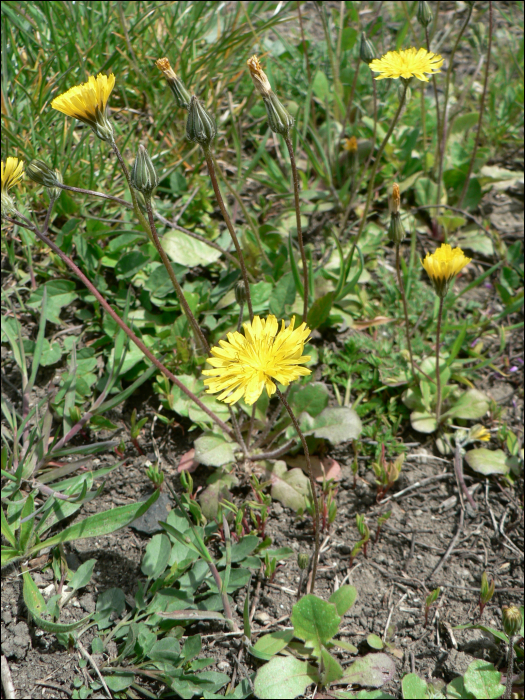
479, 432
12, 172
443, 265
88, 104
351, 144
245, 364
408, 63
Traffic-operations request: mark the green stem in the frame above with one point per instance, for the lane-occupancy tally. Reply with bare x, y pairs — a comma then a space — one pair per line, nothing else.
211, 169
374, 170
312, 485
405, 309
481, 110
442, 134
199, 335
434, 85
510, 669
295, 176
128, 330
438, 373
140, 216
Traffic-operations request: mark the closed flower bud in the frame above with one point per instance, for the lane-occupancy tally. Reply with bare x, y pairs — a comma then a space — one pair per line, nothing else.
512, 621
279, 119
487, 589
181, 94
424, 13
240, 292
200, 126
396, 231
144, 177
41, 173
302, 560
367, 53
404, 88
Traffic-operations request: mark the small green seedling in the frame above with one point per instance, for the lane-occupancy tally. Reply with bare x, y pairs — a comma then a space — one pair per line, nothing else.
135, 430
486, 592
429, 602
380, 522
155, 475
387, 473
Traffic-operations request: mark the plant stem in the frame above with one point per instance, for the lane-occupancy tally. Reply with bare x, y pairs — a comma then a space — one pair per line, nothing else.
442, 133
211, 169
131, 335
405, 309
295, 176
373, 173
199, 335
140, 216
481, 109
510, 669
434, 85
312, 485
438, 373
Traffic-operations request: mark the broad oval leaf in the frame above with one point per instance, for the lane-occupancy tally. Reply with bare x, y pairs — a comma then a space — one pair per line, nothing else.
284, 677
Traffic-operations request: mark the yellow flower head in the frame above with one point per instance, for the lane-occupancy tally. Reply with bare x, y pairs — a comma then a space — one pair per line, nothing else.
351, 144
245, 364
408, 63
479, 432
443, 265
88, 104
12, 172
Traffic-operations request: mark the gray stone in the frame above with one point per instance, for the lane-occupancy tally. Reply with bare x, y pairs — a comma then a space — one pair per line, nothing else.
148, 524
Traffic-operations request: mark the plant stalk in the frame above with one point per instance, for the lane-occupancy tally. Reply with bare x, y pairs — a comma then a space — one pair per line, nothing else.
373, 173
131, 335
510, 669
481, 110
197, 331
405, 309
438, 373
295, 176
312, 485
213, 176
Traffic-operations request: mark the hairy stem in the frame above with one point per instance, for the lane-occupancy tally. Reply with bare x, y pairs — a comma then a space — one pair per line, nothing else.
295, 176
312, 485
197, 331
405, 309
481, 110
438, 373
211, 169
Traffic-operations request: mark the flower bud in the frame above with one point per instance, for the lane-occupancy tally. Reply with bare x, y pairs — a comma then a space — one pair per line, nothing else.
144, 177
8, 205
200, 126
42, 174
396, 231
424, 13
240, 292
302, 560
512, 621
181, 94
403, 88
279, 119
367, 53
487, 589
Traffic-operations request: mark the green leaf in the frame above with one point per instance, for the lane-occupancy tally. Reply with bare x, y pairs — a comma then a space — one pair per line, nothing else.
291, 487
372, 670
26, 528
188, 251
426, 191
464, 122
413, 687
375, 642
119, 680
320, 310
456, 689
214, 450
100, 523
60, 293
488, 462
321, 87
130, 263
471, 405
284, 677
7, 532
270, 644
36, 605
216, 491
315, 621
283, 293
423, 422
312, 398
343, 599
156, 556
50, 353
260, 293
482, 680
82, 575
332, 670
167, 649
337, 424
